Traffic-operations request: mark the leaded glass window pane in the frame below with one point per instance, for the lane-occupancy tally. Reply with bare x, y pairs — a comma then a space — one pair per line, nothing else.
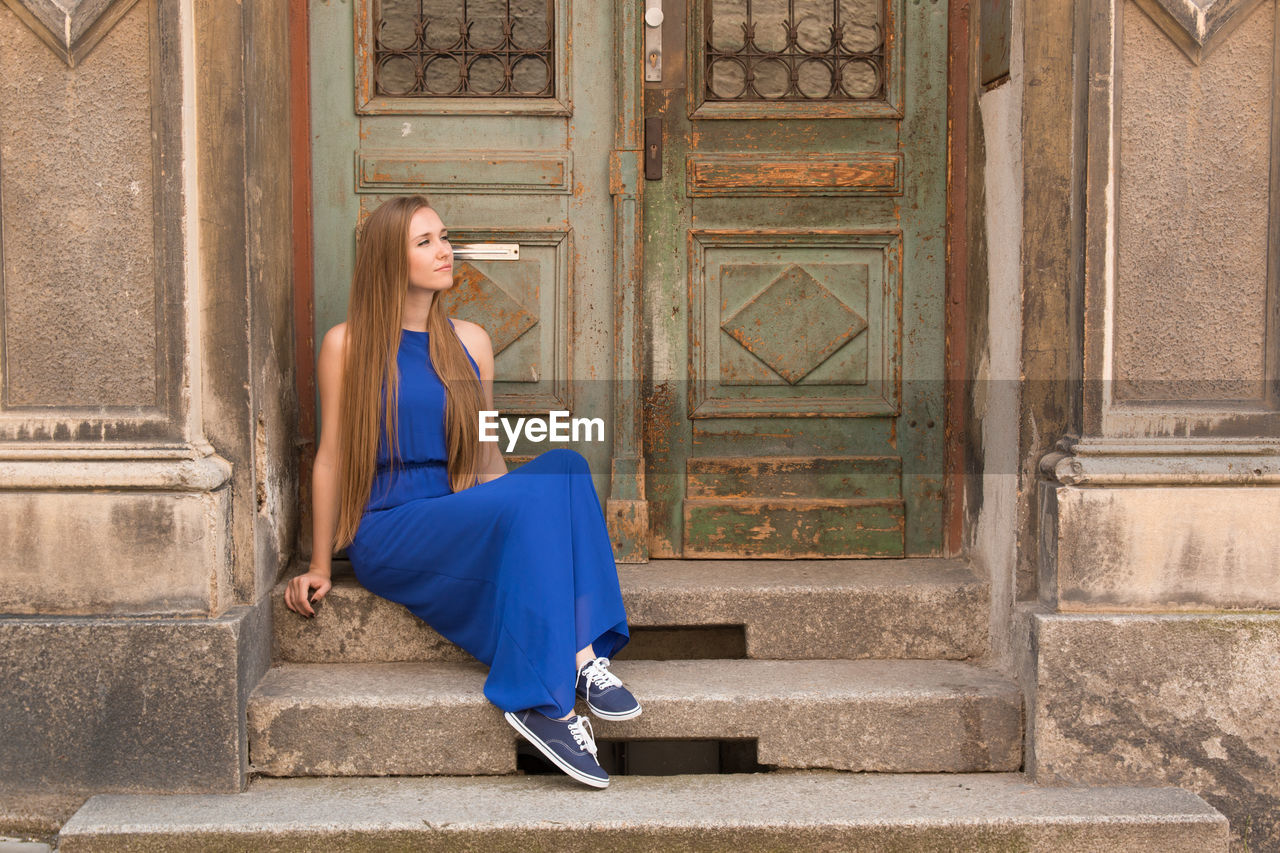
794, 50
464, 48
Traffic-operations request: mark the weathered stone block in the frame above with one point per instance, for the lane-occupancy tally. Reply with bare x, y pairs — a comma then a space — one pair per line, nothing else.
138, 548
1160, 548
378, 719
787, 609
129, 705
1177, 699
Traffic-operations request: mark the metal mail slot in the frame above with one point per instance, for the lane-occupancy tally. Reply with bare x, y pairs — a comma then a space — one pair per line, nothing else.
487, 251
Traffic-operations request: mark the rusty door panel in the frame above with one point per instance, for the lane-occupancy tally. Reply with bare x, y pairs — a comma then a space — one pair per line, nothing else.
795, 477
820, 174
787, 528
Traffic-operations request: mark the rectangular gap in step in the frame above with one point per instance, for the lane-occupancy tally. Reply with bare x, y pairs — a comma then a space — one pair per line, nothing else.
657, 757
701, 642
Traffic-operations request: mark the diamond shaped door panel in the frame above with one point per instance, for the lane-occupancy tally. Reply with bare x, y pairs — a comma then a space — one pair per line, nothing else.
794, 323
491, 305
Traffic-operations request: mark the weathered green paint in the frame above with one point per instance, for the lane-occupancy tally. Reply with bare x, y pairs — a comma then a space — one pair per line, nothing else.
792, 527
474, 171
796, 477
626, 510
719, 285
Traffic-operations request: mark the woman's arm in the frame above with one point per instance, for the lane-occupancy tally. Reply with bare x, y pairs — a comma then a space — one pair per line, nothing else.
490, 465
325, 486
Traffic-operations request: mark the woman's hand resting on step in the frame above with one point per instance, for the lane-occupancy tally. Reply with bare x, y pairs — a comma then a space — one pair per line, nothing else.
297, 595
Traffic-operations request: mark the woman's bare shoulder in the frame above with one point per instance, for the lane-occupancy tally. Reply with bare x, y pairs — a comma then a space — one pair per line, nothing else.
466, 326
472, 334
334, 345
335, 338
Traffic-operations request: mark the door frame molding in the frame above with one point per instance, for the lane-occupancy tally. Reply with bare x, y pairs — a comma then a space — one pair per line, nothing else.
962, 103
626, 507
304, 285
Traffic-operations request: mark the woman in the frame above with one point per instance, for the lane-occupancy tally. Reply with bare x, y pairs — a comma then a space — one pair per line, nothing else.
515, 568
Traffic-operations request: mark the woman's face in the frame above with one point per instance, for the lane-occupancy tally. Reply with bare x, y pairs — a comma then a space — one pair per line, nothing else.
430, 255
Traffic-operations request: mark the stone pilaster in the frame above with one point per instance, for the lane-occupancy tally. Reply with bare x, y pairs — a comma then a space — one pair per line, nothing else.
146, 411
1158, 545
112, 499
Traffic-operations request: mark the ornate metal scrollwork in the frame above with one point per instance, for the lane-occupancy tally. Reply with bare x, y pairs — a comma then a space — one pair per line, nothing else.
464, 48
797, 50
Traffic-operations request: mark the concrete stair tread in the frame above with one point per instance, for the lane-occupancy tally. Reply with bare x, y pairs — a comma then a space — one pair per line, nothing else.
408, 718
770, 576
803, 810
789, 576
655, 681
914, 608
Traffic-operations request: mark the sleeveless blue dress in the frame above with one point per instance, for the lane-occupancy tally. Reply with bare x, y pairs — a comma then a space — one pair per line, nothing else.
518, 571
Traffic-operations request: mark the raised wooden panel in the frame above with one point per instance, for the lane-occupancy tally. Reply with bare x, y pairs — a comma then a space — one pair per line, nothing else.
831, 477
752, 174
524, 305
488, 303
794, 506
791, 323
465, 172
792, 528
794, 324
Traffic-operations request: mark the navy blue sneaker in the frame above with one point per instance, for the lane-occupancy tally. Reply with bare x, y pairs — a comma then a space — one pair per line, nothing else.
568, 744
603, 692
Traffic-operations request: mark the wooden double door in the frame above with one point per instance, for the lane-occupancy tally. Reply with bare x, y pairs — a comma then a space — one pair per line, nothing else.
789, 234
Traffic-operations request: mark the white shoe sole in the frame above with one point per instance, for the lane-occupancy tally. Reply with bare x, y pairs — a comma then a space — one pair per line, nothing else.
569, 769
605, 715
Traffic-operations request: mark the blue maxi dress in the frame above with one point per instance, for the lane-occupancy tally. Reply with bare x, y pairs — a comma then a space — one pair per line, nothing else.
518, 571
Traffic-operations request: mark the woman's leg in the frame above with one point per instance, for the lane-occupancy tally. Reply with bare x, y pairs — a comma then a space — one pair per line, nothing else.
585, 655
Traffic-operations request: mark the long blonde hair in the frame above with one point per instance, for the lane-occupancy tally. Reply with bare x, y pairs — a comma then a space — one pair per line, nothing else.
374, 321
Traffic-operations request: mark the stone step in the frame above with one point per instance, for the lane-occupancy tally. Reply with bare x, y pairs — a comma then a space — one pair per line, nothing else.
803, 811
433, 719
783, 609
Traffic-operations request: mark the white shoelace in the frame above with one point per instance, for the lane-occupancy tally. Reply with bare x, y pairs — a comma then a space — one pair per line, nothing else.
598, 673
583, 735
